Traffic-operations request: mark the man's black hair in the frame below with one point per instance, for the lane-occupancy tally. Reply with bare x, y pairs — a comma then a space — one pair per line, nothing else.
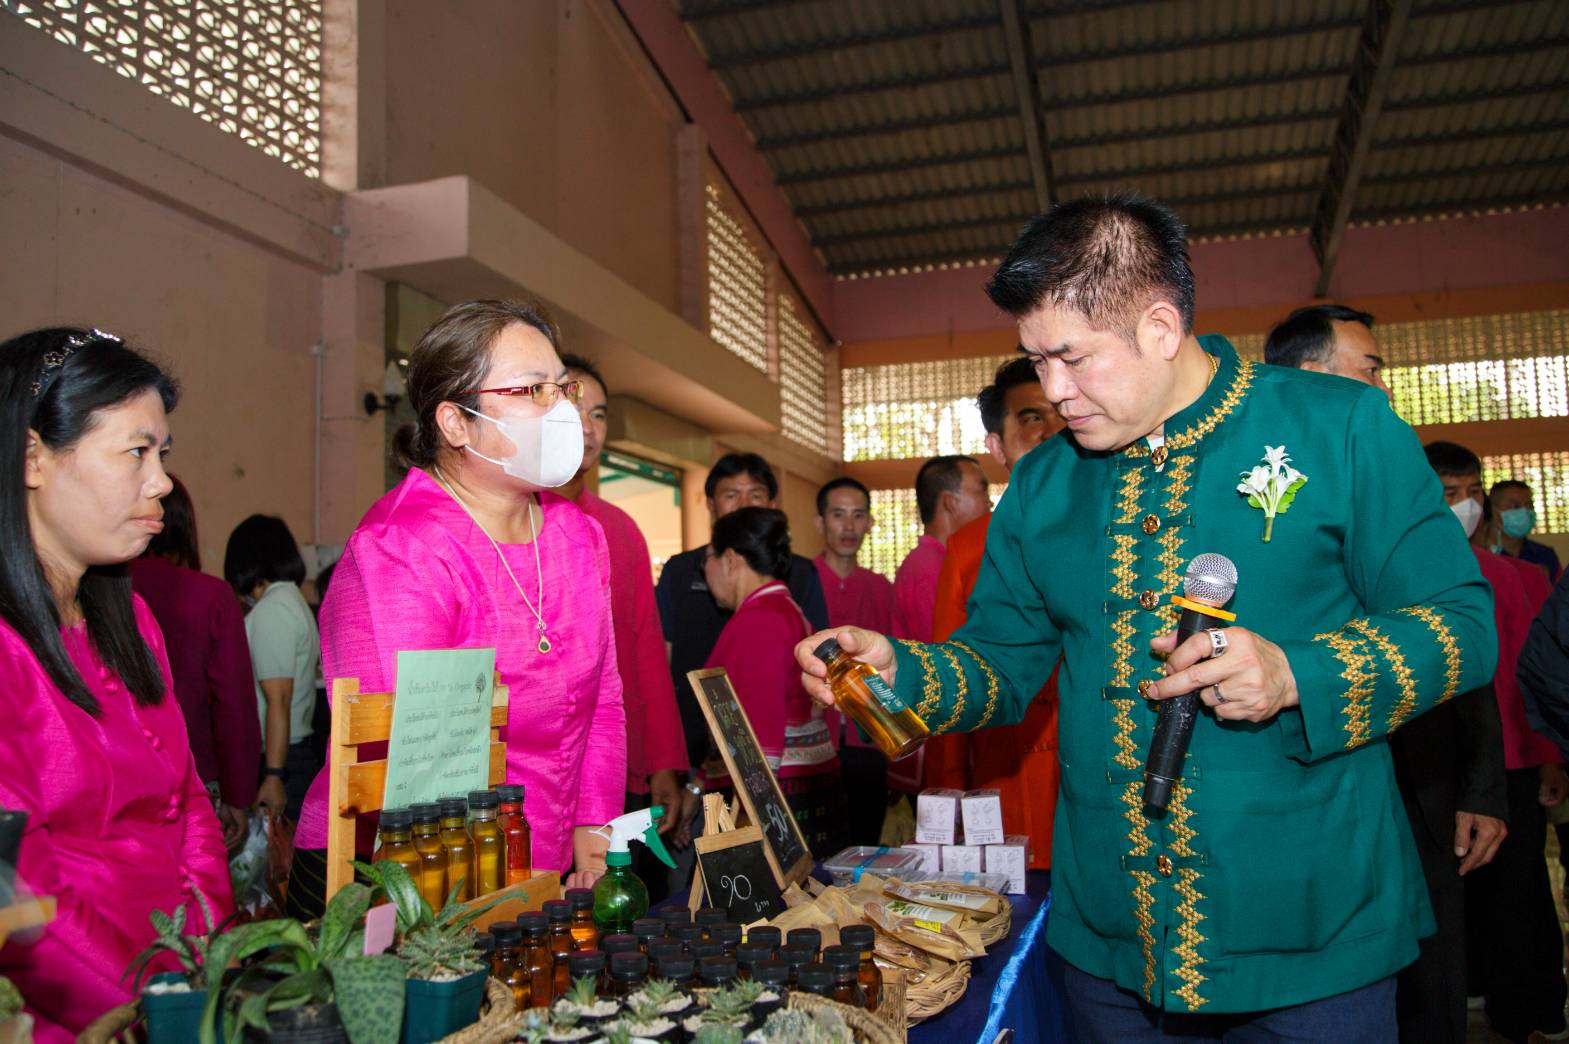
1306, 336
733, 464
842, 482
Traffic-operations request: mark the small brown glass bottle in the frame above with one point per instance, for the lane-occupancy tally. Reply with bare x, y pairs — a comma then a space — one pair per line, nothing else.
432, 856
680, 970
397, 845
860, 692
585, 934
687, 933
507, 965
489, 857
863, 939
714, 972
659, 949
674, 916
459, 844
806, 937
765, 933
727, 934
816, 979
709, 916
485, 949
515, 832
589, 964
702, 949
749, 954
628, 972
537, 960
795, 958
558, 914
647, 930
845, 963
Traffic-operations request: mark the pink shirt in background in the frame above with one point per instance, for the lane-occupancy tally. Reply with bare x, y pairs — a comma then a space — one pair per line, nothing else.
119, 825
915, 590
862, 599
1512, 617
204, 631
419, 574
654, 738
757, 651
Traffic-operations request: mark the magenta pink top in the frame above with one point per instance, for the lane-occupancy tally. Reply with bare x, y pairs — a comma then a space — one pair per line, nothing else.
915, 590
419, 574
1512, 614
210, 660
119, 825
654, 738
862, 599
757, 651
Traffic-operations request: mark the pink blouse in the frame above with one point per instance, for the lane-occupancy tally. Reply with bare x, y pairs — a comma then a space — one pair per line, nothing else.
654, 738
757, 651
119, 825
419, 574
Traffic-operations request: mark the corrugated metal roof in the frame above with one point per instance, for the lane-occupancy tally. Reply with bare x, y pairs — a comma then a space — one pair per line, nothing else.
895, 130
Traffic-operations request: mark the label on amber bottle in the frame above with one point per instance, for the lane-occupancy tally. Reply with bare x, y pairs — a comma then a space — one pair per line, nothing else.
885, 695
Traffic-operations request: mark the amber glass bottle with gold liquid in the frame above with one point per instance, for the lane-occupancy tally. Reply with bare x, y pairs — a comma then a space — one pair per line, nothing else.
489, 856
515, 833
432, 875
396, 841
455, 838
558, 914
871, 703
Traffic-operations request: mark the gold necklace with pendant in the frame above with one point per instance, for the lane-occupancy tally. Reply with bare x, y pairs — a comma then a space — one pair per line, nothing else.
539, 572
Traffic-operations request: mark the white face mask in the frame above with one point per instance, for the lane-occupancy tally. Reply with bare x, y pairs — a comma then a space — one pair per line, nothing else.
1469, 512
546, 450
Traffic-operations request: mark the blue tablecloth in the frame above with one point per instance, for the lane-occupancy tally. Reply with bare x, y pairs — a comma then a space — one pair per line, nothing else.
1017, 985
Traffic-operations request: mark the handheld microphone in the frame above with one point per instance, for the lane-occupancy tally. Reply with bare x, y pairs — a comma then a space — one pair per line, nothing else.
1209, 583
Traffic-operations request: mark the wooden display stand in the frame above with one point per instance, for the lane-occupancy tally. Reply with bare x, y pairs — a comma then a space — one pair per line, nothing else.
34, 912
355, 787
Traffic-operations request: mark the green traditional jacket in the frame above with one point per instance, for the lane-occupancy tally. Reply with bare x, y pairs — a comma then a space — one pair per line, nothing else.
1284, 870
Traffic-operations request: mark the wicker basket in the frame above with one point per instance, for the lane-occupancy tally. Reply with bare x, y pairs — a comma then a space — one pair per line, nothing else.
868, 1028
934, 993
498, 1018
995, 928
113, 1026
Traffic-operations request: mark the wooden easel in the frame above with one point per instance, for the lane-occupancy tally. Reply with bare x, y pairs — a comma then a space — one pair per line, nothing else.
355, 787
718, 817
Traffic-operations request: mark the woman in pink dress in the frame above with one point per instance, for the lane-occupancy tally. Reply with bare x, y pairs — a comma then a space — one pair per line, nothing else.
748, 555
469, 551
94, 745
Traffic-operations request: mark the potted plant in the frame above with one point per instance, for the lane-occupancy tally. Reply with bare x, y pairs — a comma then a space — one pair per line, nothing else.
445, 975
582, 1006
16, 1026
174, 1001
308, 987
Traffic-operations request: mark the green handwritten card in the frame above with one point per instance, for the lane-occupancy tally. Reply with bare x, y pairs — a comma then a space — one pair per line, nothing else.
440, 726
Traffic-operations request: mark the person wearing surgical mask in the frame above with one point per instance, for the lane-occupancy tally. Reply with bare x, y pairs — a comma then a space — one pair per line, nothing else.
474, 550
1516, 510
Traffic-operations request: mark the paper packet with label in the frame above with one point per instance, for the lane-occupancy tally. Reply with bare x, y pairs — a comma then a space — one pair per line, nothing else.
945, 933
979, 905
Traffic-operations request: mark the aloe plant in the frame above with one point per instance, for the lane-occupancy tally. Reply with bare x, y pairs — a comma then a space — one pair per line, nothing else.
328, 966
434, 943
189, 950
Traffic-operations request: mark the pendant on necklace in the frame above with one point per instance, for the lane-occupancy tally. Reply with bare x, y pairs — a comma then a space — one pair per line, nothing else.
544, 643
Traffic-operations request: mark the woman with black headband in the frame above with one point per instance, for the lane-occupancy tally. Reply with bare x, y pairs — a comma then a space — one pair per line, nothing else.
93, 746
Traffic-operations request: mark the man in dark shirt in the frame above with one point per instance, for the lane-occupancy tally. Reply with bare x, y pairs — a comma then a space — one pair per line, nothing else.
691, 619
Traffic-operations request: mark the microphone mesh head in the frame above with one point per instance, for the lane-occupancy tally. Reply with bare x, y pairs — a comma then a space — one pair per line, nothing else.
1211, 579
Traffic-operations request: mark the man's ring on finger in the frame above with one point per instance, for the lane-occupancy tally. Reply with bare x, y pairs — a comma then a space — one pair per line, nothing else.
1220, 697
1218, 642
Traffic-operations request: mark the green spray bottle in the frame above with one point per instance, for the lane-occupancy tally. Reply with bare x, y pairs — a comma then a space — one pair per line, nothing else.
620, 897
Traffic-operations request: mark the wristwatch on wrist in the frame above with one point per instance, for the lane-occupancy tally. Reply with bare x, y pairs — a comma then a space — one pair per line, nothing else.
695, 789
278, 773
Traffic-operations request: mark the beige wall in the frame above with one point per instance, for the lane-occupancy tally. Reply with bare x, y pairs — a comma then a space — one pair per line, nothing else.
549, 104
235, 323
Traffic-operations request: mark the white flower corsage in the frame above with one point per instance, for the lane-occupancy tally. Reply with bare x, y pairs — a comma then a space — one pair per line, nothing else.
1272, 485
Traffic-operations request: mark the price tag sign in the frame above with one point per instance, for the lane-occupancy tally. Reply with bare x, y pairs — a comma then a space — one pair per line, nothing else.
737, 877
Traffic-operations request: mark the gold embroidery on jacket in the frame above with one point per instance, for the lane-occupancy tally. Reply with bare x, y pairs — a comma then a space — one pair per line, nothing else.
1180, 475
1128, 496
931, 684
1127, 751
1359, 685
962, 685
1180, 814
1406, 705
1188, 437
1143, 898
992, 685
1446, 639
1122, 647
1122, 556
1188, 930
1171, 563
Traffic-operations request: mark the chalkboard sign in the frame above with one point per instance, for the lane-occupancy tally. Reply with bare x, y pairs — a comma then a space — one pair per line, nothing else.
737, 876
755, 783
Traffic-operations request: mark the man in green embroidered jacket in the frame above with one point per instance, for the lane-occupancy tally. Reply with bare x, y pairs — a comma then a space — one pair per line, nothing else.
1283, 875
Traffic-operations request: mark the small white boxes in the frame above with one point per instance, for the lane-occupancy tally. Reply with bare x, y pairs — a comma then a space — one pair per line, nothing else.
1010, 859
937, 816
962, 859
982, 817
931, 856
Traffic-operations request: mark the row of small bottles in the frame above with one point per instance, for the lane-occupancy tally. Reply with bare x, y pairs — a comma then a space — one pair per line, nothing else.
540, 954
482, 841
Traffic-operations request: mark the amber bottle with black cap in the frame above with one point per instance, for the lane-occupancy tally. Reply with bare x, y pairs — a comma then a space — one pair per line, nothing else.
860, 692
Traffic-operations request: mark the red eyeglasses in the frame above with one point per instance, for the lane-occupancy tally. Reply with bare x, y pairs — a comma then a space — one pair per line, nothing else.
546, 393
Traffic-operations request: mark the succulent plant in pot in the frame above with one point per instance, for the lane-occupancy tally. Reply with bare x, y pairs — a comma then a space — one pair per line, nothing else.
582, 1004
446, 977
174, 1001
300, 985
662, 998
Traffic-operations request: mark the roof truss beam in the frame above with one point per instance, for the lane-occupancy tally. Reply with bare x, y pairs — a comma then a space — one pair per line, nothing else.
1372, 70
1027, 90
